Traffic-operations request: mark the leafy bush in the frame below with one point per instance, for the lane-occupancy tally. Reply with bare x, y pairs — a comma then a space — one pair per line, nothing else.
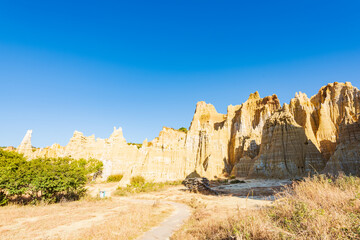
236, 181
45, 179
93, 168
182, 129
115, 178
137, 180
3, 199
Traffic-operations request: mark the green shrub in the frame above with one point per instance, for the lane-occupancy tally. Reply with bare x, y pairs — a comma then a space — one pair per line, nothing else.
140, 186
137, 180
43, 179
182, 129
3, 199
236, 181
115, 178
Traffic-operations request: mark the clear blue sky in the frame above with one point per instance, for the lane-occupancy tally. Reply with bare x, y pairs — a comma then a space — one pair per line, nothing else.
141, 65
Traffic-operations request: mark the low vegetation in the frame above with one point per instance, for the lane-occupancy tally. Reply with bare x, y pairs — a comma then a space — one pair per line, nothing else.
183, 129
317, 208
138, 145
43, 179
115, 178
137, 181
138, 184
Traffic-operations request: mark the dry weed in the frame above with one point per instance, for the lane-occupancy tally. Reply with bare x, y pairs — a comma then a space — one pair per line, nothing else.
317, 208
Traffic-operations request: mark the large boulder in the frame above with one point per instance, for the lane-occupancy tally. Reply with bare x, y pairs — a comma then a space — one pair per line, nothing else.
199, 185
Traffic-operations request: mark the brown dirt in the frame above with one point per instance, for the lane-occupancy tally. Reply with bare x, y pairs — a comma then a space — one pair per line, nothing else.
70, 220
114, 218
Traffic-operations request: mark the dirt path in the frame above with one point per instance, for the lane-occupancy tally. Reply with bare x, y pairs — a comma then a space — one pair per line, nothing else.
66, 221
169, 225
161, 232
66, 230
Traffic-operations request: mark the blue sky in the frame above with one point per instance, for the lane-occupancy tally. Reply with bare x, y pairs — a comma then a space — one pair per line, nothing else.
142, 65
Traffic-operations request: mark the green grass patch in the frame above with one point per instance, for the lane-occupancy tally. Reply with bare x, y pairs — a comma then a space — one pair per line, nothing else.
115, 178
139, 185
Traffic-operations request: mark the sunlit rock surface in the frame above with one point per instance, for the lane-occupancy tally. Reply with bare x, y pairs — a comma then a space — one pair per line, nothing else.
258, 138
25, 146
346, 157
285, 149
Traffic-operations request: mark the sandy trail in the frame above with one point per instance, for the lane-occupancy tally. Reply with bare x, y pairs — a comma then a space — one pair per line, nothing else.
182, 212
66, 225
66, 230
160, 232
64, 222
169, 225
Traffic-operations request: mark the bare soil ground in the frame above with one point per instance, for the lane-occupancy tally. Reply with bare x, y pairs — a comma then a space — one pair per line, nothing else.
253, 188
120, 217
116, 218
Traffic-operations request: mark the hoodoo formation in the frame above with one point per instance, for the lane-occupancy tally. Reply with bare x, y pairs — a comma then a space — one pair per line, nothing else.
258, 138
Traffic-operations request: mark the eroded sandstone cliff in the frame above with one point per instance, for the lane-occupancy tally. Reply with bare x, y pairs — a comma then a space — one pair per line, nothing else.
322, 114
346, 157
258, 137
285, 150
25, 146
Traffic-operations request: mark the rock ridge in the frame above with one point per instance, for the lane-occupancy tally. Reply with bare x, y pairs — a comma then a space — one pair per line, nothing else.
258, 138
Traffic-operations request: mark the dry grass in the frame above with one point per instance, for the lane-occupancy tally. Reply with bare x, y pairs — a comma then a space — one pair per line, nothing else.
87, 219
318, 208
129, 224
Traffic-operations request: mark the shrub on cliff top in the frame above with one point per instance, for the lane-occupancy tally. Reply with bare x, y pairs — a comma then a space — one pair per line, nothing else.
182, 129
138, 145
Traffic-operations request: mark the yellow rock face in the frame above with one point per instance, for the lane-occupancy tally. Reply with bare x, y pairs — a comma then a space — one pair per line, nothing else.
257, 137
25, 145
322, 114
285, 149
243, 167
346, 157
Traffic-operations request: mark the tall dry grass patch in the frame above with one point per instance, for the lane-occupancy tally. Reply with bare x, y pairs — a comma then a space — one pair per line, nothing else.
316, 208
